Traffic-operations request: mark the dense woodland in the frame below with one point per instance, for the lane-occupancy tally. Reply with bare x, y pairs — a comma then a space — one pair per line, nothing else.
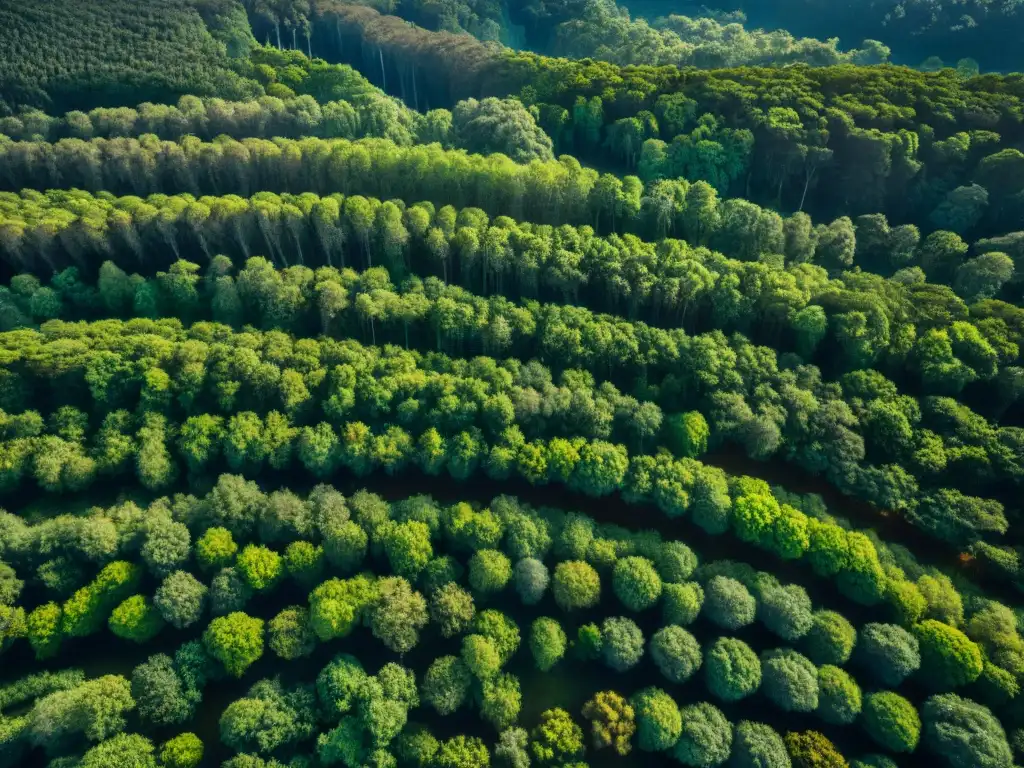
500, 383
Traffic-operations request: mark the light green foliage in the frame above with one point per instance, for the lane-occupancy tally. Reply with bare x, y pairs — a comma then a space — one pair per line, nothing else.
839, 696
547, 642
612, 721
337, 605
501, 700
408, 549
304, 562
557, 739
687, 434
235, 640
950, 657
636, 583
892, 721
96, 709
451, 609
216, 549
463, 752
489, 571
831, 638
182, 751
125, 750
270, 716
682, 603
260, 566
576, 586
136, 619
397, 614
657, 718
500, 629
43, 628
480, 656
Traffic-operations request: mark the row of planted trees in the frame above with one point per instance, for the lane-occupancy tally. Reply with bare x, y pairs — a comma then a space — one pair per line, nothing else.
404, 542
747, 394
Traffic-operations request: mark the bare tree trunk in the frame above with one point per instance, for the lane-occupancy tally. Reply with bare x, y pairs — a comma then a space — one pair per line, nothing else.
277, 29
383, 76
803, 197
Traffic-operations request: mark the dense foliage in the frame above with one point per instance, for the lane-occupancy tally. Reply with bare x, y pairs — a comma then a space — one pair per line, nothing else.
212, 335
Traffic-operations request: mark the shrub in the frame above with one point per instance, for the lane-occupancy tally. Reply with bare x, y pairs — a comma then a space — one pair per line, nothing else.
489, 571
731, 669
949, 656
658, 720
756, 745
531, 580
964, 734
831, 639
681, 603
728, 603
576, 585
790, 680
811, 749
622, 643
636, 583
547, 643
706, 737
676, 653
839, 696
891, 721
889, 652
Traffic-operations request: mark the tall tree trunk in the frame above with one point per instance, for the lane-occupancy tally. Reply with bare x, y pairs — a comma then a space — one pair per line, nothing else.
277, 29
383, 76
